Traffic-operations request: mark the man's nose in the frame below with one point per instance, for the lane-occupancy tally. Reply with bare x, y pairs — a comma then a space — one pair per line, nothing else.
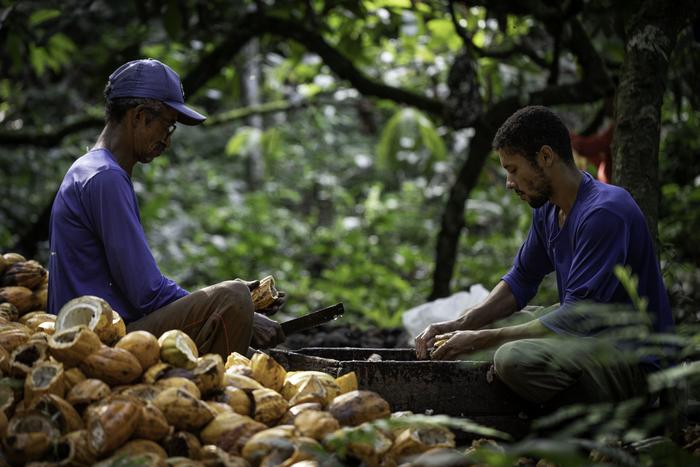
509, 183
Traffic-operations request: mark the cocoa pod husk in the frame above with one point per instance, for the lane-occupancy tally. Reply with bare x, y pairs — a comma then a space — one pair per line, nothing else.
356, 407
87, 392
113, 366
143, 345
62, 413
28, 437
13, 336
8, 311
72, 345
21, 297
153, 425
29, 274
44, 378
182, 444
182, 409
110, 424
26, 356
141, 446
265, 294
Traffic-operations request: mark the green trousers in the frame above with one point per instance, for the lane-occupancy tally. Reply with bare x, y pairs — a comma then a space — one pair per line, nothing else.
557, 371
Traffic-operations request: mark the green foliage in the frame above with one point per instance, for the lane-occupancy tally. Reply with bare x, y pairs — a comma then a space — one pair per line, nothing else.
409, 131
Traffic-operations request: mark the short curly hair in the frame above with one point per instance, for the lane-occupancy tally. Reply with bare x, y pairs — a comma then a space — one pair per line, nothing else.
530, 128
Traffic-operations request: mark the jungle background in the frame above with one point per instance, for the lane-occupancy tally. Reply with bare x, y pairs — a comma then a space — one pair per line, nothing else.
347, 150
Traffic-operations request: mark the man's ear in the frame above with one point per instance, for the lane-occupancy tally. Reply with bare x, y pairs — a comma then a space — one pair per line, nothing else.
546, 156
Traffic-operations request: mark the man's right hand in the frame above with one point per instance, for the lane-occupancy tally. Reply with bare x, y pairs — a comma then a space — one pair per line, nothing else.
426, 339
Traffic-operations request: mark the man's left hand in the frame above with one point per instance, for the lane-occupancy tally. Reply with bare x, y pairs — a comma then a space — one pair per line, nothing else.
266, 332
276, 306
459, 343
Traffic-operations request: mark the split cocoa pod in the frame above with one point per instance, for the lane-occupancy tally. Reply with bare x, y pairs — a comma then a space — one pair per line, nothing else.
93, 312
265, 294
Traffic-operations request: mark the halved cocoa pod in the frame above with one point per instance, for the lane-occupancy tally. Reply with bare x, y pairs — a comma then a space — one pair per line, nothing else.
178, 349
79, 453
45, 378
113, 366
90, 311
153, 424
29, 436
209, 372
13, 336
87, 392
182, 409
26, 356
62, 414
72, 345
182, 444
110, 424
265, 294
266, 442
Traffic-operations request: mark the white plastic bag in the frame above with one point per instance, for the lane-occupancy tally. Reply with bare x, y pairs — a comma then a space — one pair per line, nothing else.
418, 318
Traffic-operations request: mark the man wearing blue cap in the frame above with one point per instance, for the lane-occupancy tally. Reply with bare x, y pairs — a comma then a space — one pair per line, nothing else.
98, 246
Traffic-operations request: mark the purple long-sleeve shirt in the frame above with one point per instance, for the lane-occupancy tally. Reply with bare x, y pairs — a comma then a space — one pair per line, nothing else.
604, 228
98, 246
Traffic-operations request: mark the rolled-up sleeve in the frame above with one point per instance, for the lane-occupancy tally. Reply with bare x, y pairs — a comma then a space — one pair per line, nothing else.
530, 266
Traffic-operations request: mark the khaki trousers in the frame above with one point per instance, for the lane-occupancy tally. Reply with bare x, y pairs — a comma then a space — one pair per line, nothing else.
557, 371
219, 318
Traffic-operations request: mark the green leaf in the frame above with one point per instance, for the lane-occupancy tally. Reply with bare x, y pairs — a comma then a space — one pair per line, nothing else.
41, 16
243, 141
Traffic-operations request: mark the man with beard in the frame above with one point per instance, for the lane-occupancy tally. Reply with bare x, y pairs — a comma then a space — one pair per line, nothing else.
581, 229
98, 246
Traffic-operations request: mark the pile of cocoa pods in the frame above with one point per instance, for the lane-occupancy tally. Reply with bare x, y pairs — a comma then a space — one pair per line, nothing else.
76, 389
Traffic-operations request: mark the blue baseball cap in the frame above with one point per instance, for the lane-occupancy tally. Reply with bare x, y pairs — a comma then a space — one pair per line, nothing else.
152, 79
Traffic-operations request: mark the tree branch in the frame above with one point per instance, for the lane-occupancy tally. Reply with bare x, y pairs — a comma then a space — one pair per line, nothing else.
51, 137
345, 69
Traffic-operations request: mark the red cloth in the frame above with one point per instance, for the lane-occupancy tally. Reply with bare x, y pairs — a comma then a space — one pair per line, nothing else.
597, 150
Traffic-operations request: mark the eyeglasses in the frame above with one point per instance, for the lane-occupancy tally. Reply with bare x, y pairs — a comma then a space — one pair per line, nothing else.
171, 126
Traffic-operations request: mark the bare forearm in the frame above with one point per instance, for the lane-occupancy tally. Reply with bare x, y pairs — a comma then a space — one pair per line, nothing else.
499, 304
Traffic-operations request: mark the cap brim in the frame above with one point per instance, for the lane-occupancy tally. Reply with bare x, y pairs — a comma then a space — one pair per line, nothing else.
185, 115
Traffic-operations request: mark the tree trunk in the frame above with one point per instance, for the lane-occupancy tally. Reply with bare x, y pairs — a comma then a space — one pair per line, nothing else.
250, 89
453, 217
651, 37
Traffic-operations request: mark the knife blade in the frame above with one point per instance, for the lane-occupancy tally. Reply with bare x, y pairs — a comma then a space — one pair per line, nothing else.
313, 319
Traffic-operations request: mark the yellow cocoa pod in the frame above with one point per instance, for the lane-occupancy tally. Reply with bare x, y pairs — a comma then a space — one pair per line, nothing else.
178, 349
110, 424
153, 424
209, 373
21, 297
356, 407
267, 371
269, 406
111, 365
183, 410
347, 382
72, 345
29, 274
265, 294
88, 310
44, 378
143, 345
316, 424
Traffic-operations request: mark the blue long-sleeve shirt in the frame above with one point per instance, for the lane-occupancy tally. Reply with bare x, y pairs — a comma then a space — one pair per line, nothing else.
604, 228
98, 246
